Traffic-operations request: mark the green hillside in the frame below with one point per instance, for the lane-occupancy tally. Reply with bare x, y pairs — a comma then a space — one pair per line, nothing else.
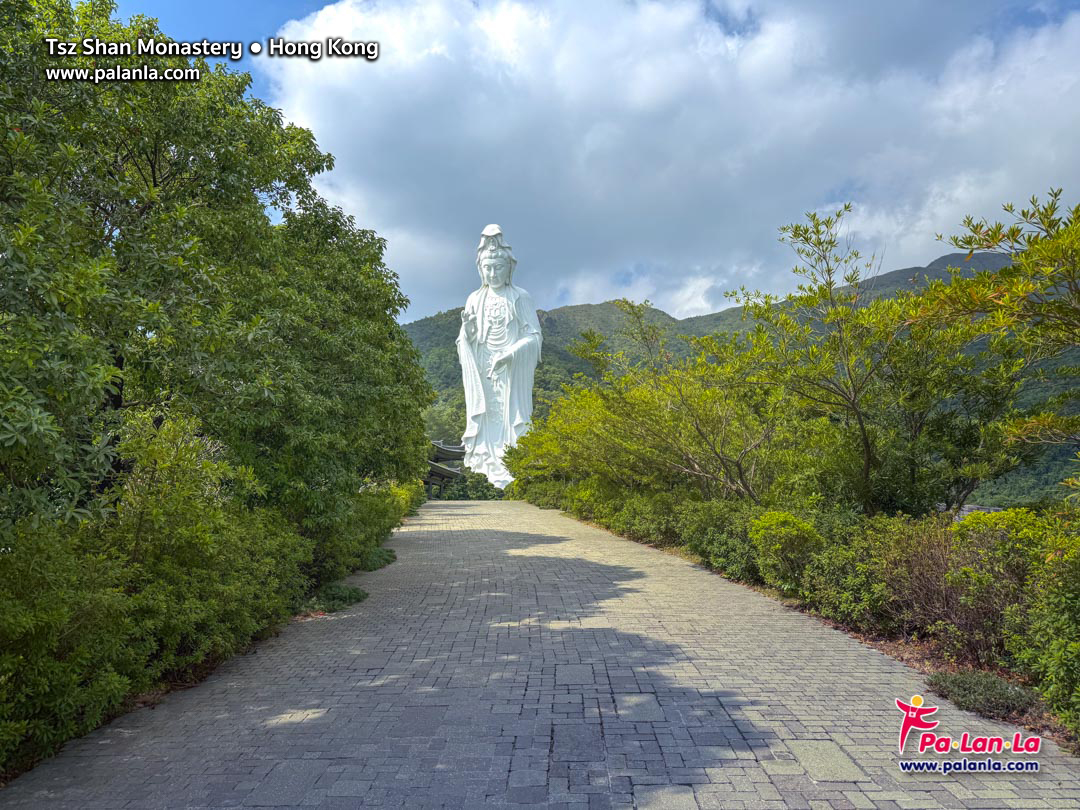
435, 338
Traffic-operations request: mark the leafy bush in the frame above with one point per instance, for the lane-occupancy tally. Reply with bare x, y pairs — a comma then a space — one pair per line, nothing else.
785, 546
593, 499
180, 575
372, 559
646, 516
838, 523
205, 574
373, 514
842, 582
1045, 630
718, 531
993, 554
63, 632
544, 494
996, 588
332, 597
983, 693
410, 496
957, 581
472, 486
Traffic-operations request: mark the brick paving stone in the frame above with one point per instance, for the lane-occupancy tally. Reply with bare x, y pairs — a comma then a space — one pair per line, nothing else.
665, 797
514, 657
825, 761
638, 708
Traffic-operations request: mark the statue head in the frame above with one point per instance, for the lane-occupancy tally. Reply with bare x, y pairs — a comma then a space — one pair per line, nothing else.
495, 268
494, 259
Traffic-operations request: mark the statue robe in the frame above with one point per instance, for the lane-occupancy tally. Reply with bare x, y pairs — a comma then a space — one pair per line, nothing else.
498, 411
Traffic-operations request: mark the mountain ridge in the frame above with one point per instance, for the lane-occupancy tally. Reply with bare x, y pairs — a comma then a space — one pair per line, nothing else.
606, 318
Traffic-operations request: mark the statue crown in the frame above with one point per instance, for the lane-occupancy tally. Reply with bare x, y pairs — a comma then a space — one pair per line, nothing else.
493, 246
495, 252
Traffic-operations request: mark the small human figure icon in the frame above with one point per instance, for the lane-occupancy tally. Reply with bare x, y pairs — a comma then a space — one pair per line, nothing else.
915, 715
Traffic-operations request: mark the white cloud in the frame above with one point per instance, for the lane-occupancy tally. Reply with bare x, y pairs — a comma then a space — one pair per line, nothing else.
652, 149
590, 287
695, 296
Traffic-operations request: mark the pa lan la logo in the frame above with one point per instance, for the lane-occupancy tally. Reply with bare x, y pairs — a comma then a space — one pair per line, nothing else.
917, 716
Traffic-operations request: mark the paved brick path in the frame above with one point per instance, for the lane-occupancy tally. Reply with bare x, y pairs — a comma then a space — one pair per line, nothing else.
513, 656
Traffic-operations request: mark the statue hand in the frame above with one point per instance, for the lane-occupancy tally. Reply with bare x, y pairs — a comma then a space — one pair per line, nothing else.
469, 320
500, 361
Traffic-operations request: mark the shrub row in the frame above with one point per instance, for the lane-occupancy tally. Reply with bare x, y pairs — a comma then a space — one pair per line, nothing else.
186, 570
994, 590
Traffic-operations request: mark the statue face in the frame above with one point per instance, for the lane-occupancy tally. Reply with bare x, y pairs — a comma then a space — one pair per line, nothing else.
496, 272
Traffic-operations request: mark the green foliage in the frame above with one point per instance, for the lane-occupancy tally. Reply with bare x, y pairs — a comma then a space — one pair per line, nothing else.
1033, 303
60, 292
785, 544
1041, 482
369, 518
590, 499
663, 424
649, 517
372, 559
408, 496
983, 693
181, 574
917, 410
955, 582
444, 421
342, 408
1040, 290
332, 597
205, 574
544, 494
1045, 628
1073, 481
472, 486
63, 651
842, 582
995, 589
719, 532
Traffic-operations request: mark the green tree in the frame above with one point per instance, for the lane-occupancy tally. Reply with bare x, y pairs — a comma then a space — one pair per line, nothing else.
830, 338
917, 409
445, 419
1037, 297
57, 289
706, 422
142, 269
1034, 302
327, 399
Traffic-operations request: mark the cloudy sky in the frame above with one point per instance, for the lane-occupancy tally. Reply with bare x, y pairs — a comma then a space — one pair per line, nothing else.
652, 149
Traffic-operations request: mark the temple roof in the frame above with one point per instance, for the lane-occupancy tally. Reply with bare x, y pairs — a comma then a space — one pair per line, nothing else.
438, 474
448, 452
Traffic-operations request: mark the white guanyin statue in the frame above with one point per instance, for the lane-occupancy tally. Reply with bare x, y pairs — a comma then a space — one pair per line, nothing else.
499, 347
